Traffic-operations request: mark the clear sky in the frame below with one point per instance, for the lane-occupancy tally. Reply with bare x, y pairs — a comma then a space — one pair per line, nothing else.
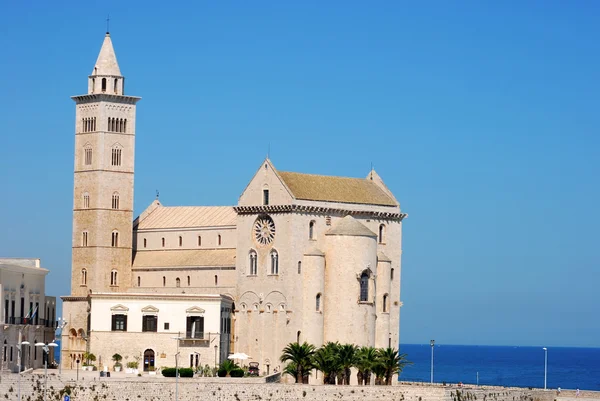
482, 117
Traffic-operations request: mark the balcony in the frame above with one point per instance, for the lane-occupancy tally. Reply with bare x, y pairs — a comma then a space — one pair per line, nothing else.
31, 322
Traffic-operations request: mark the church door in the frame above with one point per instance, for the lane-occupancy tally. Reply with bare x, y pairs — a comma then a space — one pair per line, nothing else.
148, 360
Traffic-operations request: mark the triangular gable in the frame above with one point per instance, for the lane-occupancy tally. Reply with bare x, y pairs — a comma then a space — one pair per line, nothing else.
119, 308
155, 204
373, 176
195, 310
267, 174
150, 309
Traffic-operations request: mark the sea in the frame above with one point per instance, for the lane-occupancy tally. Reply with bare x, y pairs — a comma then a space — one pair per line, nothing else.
568, 368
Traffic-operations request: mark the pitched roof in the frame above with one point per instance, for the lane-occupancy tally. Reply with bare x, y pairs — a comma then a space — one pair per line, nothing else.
188, 216
351, 227
185, 258
335, 189
106, 64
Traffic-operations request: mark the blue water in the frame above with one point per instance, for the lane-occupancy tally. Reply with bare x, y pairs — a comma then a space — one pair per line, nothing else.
568, 368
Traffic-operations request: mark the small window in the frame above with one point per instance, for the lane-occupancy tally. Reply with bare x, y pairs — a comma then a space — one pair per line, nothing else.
113, 278
164, 281
115, 239
299, 267
180, 240
115, 200
311, 230
177, 282
88, 155
274, 262
103, 84
150, 323
364, 287
116, 157
219, 239
145, 242
139, 281
189, 281
385, 302
199, 240
382, 234
163, 241
83, 277
119, 323
392, 273
166, 326
86, 200
84, 238
116, 81
216, 280
318, 303
253, 265
265, 197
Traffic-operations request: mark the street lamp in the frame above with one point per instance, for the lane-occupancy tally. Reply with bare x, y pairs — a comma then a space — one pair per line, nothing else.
61, 326
19, 345
432, 343
545, 365
178, 338
46, 351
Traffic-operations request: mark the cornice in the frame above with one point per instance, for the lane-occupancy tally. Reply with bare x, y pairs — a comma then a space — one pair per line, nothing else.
69, 298
272, 209
102, 171
105, 97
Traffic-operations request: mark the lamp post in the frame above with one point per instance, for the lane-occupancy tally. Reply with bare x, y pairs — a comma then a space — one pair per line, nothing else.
215, 355
432, 343
61, 326
545, 365
19, 345
46, 352
178, 338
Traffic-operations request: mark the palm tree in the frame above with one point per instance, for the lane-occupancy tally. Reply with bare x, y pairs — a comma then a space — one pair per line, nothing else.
366, 357
347, 354
326, 359
301, 356
392, 362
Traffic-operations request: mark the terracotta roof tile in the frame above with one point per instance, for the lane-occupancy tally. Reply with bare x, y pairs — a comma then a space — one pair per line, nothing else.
189, 216
185, 258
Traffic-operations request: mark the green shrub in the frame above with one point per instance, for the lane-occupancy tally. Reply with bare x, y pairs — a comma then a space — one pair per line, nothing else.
183, 372
237, 373
168, 372
222, 372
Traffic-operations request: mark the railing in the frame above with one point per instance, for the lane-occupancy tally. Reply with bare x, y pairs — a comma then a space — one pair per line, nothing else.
194, 336
32, 322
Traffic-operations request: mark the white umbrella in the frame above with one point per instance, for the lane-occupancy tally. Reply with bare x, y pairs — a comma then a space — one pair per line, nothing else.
238, 355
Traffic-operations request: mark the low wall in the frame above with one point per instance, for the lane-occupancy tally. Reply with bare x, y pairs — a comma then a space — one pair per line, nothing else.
163, 389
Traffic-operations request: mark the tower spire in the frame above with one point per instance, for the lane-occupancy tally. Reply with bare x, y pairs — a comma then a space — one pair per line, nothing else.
107, 24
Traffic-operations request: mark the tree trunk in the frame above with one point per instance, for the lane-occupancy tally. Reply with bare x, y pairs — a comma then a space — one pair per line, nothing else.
367, 377
299, 376
359, 377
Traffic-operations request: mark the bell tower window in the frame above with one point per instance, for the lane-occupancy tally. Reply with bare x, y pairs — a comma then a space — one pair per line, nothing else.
265, 197
116, 156
115, 201
113, 278
115, 239
88, 155
103, 84
116, 82
364, 287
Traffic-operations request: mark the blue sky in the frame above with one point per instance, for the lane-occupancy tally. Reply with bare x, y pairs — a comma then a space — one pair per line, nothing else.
482, 117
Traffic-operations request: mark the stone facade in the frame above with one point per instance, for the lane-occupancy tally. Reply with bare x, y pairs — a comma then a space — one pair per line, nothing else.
298, 257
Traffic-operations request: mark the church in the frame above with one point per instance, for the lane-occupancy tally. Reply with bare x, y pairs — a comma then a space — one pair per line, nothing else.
300, 257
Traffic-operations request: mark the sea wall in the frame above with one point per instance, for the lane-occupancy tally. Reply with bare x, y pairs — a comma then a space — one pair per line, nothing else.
163, 389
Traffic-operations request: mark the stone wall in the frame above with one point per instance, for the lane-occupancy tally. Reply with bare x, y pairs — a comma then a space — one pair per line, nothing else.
159, 389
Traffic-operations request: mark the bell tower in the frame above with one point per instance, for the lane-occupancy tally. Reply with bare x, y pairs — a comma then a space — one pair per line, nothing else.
103, 181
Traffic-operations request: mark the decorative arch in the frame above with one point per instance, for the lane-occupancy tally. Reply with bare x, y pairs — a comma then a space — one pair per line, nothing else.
252, 262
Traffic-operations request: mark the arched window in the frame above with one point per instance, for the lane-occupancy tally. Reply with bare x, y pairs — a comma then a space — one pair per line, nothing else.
216, 280
139, 281
121, 125
113, 278
364, 287
177, 282
385, 302
199, 241
93, 84
115, 239
103, 84
253, 263
84, 238
311, 230
265, 197
318, 303
392, 273
274, 262
382, 233
164, 281
125, 125
87, 150
299, 267
180, 240
298, 336
115, 200
83, 277
219, 239
189, 281
145, 242
86, 200
116, 81
116, 156
163, 241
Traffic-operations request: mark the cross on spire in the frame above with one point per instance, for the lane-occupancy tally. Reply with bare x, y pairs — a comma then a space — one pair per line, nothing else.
108, 23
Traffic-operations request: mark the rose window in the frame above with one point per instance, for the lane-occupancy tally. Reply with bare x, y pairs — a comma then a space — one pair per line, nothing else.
264, 230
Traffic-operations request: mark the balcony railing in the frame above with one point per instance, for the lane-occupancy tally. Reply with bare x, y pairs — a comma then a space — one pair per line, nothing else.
30, 321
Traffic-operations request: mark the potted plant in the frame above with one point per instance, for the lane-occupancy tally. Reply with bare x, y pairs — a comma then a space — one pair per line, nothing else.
88, 357
131, 367
151, 371
117, 358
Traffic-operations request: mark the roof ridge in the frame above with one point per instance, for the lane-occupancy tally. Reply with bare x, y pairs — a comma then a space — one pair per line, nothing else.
325, 175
